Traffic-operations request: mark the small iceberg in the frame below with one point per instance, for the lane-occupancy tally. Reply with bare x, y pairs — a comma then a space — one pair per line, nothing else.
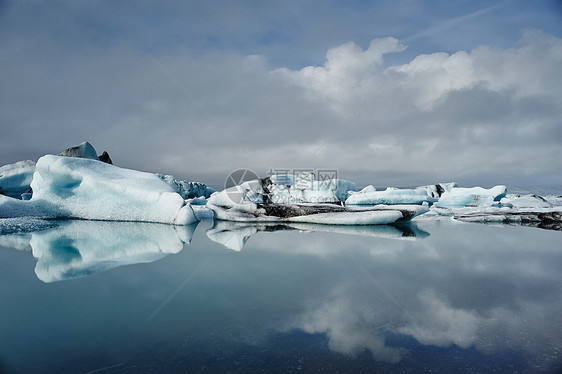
549, 220
476, 196
250, 203
390, 196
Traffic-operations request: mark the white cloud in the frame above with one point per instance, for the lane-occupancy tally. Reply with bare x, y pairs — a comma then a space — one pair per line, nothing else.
460, 113
442, 116
348, 73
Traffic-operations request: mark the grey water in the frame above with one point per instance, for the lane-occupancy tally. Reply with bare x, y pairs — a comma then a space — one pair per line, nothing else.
435, 296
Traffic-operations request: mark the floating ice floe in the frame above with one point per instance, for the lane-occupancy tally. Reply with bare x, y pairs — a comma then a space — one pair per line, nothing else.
67, 187
548, 219
226, 207
79, 184
390, 196
89, 189
527, 210
476, 196
528, 201
15, 179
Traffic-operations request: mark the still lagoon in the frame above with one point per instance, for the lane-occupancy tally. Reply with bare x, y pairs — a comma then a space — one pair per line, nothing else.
434, 296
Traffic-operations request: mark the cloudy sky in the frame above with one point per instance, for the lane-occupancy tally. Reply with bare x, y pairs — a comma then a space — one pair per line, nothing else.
386, 92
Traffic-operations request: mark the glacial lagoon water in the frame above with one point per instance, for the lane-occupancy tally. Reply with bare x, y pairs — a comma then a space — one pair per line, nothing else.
435, 296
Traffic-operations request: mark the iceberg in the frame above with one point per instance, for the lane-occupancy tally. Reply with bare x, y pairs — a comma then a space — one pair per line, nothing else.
525, 201
549, 219
391, 196
65, 187
79, 248
476, 196
222, 204
16, 178
483, 207
79, 184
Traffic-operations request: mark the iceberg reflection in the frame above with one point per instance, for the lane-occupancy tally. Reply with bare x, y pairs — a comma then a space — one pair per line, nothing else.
233, 235
79, 248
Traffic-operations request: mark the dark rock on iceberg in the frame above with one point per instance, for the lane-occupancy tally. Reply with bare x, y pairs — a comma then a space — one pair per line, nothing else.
104, 157
297, 210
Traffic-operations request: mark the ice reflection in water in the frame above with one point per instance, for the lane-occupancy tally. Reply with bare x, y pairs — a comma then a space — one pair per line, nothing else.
77, 248
468, 297
233, 235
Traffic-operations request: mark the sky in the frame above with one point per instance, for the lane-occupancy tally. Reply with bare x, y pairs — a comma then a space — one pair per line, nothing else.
389, 93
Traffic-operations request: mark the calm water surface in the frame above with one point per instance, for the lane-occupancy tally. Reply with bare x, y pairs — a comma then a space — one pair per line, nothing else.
440, 297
